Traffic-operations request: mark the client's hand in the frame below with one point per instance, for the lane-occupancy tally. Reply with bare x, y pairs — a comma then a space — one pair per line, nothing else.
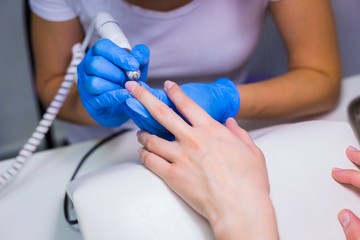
216, 169
349, 221
219, 99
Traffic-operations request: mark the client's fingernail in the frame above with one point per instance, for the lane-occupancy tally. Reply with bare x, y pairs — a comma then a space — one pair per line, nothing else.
335, 169
130, 86
351, 148
140, 149
344, 218
168, 84
138, 133
232, 120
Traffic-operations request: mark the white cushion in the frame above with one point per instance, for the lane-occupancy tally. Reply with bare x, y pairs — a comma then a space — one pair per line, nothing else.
127, 201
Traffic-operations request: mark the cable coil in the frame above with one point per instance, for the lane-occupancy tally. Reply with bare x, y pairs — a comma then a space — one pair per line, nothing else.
48, 118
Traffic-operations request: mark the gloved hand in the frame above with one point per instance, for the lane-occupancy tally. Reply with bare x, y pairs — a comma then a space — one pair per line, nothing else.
220, 100
101, 80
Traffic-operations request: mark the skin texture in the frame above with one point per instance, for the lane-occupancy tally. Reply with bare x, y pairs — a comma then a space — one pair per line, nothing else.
349, 221
313, 81
307, 28
216, 169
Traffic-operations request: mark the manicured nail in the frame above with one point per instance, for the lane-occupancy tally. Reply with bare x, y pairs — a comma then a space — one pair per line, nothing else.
232, 120
351, 148
130, 86
336, 169
140, 149
344, 219
138, 133
168, 84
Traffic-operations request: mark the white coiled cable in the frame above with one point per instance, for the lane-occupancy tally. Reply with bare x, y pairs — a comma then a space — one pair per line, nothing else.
107, 27
78, 53
48, 118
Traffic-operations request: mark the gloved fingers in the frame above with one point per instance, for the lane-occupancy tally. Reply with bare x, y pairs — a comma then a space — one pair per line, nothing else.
223, 81
139, 110
95, 85
160, 94
100, 67
186, 106
112, 98
143, 72
109, 117
115, 54
227, 92
143, 119
158, 145
141, 53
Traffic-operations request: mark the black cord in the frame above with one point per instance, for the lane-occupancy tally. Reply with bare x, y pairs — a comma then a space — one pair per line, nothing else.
66, 198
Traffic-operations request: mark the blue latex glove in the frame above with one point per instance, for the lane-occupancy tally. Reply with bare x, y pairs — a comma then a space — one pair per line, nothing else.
220, 100
101, 80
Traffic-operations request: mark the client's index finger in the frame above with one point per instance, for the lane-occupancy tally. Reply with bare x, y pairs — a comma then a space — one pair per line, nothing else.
159, 110
185, 105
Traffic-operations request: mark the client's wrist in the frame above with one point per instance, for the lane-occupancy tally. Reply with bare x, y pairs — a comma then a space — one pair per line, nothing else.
245, 219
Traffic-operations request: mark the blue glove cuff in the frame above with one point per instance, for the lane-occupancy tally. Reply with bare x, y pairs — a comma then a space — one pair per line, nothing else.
228, 98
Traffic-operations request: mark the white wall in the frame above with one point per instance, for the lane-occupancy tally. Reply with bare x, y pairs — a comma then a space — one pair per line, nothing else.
18, 116
270, 56
18, 111
16, 97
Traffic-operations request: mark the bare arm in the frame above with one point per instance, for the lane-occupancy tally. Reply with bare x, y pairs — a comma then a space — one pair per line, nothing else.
52, 43
312, 83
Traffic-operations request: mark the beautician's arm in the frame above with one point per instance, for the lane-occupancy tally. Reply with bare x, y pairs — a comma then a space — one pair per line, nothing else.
216, 169
312, 83
52, 43
349, 221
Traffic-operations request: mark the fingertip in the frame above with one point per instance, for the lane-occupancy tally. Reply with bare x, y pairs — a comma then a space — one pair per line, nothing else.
344, 218
351, 148
230, 121
353, 154
138, 133
168, 84
130, 86
234, 127
334, 172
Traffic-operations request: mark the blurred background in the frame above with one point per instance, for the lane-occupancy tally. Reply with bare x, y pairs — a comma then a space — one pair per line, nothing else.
19, 111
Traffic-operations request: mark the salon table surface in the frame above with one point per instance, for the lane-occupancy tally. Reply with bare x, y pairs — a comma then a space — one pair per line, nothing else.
31, 206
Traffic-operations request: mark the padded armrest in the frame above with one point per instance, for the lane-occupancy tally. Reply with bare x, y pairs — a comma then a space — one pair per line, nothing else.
306, 198
127, 201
